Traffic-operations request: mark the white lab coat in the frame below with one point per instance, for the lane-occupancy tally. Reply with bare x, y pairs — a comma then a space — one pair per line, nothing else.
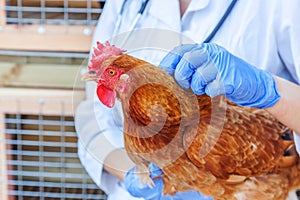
264, 33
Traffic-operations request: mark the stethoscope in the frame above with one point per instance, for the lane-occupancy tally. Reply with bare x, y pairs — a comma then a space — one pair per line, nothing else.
143, 7
136, 19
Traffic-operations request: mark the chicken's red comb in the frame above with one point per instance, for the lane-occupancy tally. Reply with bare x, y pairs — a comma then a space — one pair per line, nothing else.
102, 52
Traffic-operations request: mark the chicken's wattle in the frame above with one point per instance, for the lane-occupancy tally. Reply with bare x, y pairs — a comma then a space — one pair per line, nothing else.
106, 95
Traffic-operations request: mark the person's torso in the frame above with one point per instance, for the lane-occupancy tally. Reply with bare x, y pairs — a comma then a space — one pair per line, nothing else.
248, 31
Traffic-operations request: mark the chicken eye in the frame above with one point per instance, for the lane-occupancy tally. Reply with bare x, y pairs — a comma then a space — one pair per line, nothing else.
111, 72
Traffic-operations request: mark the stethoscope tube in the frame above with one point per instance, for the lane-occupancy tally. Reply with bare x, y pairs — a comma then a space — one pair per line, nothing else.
220, 23
134, 23
142, 9
136, 19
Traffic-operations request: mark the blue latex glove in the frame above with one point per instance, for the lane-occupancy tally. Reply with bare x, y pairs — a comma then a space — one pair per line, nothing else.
209, 68
133, 186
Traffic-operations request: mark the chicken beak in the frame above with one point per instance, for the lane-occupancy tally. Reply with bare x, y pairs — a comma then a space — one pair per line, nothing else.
89, 77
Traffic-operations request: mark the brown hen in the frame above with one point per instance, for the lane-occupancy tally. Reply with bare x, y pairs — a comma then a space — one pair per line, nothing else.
211, 145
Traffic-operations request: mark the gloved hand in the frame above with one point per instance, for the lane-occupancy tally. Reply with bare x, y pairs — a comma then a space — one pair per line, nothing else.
133, 186
209, 68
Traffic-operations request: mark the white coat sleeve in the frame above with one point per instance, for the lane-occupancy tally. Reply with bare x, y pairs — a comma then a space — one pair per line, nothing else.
287, 34
96, 142
98, 135
288, 41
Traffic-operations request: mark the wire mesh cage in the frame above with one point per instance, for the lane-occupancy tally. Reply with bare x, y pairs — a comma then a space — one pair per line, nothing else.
45, 12
38, 143
48, 25
39, 148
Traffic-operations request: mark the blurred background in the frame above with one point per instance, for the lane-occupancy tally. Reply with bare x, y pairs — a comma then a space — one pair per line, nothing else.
43, 45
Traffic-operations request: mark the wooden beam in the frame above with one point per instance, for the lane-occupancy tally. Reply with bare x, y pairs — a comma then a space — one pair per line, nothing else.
51, 76
6, 69
2, 13
37, 101
56, 38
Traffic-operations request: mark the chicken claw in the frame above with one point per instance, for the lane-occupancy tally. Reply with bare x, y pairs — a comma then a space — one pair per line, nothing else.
143, 172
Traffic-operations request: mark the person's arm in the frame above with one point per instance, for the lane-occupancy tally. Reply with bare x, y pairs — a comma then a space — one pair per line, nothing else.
117, 163
287, 109
211, 69
97, 137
